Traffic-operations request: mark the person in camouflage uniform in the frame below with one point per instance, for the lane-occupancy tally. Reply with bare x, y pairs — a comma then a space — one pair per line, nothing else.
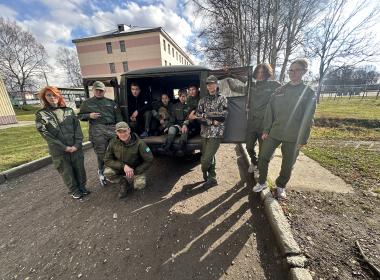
287, 122
212, 112
59, 126
127, 159
161, 113
259, 95
192, 102
102, 114
178, 122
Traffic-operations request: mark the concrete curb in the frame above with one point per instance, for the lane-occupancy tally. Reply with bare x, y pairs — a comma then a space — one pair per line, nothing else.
29, 167
288, 246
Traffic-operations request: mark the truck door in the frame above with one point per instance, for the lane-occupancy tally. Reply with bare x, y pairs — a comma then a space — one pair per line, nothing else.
236, 123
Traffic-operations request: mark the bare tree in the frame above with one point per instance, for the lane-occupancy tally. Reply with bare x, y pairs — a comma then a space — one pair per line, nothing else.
340, 37
22, 59
69, 62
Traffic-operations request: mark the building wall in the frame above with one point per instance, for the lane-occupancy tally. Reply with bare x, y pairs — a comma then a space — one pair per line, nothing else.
171, 54
7, 114
142, 51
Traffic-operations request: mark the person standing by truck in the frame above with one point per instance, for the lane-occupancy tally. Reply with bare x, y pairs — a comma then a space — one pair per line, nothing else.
212, 113
259, 96
102, 114
60, 127
287, 122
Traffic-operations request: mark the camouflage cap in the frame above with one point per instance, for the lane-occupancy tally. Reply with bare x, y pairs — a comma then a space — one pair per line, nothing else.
121, 126
211, 79
99, 85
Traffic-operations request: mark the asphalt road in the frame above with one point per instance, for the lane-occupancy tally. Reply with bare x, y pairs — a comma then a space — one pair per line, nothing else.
172, 230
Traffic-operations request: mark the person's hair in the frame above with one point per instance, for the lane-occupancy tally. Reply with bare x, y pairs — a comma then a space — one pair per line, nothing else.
301, 61
193, 85
182, 91
133, 84
162, 94
268, 71
55, 91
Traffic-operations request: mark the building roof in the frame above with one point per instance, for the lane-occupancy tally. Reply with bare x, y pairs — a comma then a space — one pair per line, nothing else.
116, 33
166, 69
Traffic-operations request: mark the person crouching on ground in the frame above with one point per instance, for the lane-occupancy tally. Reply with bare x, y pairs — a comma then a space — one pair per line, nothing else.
60, 127
127, 159
288, 120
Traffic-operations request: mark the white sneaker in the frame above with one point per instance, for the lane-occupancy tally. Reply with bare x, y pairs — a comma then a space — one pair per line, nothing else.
260, 187
251, 168
102, 178
281, 193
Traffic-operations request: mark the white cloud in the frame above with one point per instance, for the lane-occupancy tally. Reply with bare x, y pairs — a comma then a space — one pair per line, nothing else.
7, 12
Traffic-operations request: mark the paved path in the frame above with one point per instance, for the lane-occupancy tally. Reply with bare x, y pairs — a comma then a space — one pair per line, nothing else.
172, 230
18, 124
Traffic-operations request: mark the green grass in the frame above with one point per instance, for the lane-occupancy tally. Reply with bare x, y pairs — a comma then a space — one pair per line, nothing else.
26, 113
23, 144
359, 167
356, 108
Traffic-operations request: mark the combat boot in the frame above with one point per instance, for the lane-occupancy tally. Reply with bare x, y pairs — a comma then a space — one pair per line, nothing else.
205, 175
211, 182
123, 189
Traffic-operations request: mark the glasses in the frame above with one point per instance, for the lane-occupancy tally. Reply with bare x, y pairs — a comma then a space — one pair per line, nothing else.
295, 70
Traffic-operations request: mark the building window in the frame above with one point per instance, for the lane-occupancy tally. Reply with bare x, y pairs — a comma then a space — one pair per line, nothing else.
176, 55
166, 63
173, 52
164, 45
122, 46
170, 64
168, 48
109, 47
112, 68
125, 66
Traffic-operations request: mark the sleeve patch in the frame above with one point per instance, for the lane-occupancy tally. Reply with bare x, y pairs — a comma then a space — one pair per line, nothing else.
147, 150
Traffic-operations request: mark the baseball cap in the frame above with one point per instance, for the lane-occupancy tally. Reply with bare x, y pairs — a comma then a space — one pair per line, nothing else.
99, 85
121, 126
211, 79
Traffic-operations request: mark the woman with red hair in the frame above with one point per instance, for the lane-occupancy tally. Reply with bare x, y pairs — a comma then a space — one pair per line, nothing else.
60, 127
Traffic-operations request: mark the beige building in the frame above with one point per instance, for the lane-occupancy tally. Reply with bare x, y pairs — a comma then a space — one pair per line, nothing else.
7, 114
112, 53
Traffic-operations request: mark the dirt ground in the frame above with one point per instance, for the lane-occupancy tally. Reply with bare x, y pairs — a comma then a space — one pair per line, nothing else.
327, 225
172, 230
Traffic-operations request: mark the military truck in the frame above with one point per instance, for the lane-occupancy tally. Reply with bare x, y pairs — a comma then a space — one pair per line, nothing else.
169, 79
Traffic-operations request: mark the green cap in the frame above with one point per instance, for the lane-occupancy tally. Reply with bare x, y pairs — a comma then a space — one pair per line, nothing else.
122, 126
99, 85
211, 79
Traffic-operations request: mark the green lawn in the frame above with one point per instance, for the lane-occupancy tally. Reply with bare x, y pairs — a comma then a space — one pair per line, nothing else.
355, 108
359, 166
26, 113
23, 144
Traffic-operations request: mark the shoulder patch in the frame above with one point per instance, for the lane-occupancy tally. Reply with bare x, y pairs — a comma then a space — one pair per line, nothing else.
147, 149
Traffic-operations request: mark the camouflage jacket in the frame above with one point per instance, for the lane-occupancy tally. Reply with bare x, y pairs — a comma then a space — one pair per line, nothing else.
108, 109
212, 105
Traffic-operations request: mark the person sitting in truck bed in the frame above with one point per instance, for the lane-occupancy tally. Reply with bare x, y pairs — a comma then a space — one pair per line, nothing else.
178, 123
192, 102
139, 110
161, 113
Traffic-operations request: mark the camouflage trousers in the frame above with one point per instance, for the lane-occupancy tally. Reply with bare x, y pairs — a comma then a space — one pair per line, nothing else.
100, 136
138, 182
209, 148
71, 167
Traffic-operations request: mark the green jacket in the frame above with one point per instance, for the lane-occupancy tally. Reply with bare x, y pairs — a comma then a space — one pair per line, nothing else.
289, 114
192, 102
136, 154
109, 110
259, 96
60, 128
179, 114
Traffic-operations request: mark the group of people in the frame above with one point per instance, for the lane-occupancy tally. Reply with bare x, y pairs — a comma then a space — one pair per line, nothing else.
278, 115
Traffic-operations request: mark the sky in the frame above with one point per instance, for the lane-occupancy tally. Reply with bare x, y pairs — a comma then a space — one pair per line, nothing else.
56, 23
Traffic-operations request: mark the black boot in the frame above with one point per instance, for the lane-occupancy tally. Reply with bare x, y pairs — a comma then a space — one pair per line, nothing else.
123, 190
